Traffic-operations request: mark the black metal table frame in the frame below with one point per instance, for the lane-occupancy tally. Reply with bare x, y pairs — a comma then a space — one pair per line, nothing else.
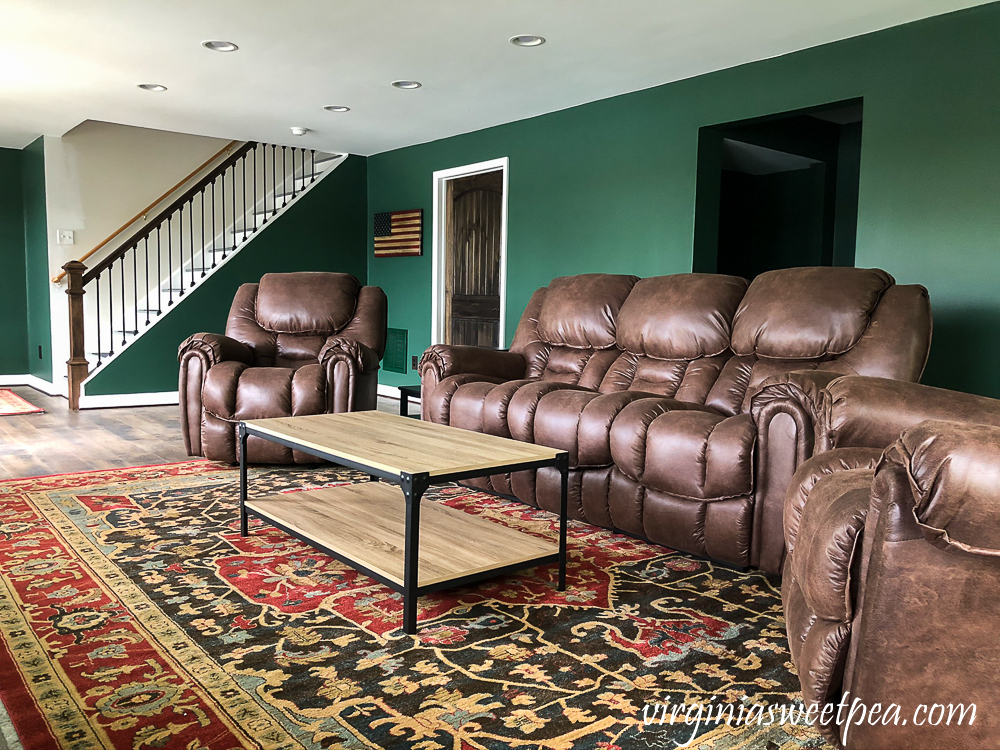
413, 487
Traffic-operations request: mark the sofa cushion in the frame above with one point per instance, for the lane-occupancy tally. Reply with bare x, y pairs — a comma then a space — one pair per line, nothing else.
580, 311
807, 313
306, 302
684, 316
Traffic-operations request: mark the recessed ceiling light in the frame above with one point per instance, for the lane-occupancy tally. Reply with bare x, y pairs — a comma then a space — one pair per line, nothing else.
152, 87
526, 40
298, 130
406, 84
219, 46
336, 108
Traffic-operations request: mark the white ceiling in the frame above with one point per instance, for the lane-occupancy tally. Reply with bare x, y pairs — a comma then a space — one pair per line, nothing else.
62, 62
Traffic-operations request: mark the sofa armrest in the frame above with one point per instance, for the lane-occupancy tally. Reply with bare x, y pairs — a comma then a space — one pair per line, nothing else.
216, 348
351, 369
873, 412
197, 355
786, 409
954, 472
442, 360
362, 357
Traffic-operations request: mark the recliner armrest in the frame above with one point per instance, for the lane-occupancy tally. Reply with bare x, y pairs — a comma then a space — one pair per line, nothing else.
216, 348
363, 357
804, 387
443, 360
873, 412
954, 471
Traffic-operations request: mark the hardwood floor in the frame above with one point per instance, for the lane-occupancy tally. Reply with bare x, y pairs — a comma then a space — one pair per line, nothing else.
61, 441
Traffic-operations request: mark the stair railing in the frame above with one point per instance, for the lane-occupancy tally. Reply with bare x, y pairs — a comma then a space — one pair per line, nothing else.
154, 267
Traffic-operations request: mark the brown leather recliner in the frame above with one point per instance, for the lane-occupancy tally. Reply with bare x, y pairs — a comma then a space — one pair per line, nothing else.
660, 390
296, 343
892, 577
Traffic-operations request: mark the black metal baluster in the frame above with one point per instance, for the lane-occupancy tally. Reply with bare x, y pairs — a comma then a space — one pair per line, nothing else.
122, 274
180, 251
234, 204
274, 183
213, 222
284, 180
97, 284
246, 223
145, 244
223, 202
111, 309
159, 274
294, 181
191, 234
312, 165
255, 188
170, 261
135, 285
203, 232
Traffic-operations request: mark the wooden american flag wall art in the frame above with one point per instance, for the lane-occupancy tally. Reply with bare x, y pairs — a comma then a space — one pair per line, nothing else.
398, 233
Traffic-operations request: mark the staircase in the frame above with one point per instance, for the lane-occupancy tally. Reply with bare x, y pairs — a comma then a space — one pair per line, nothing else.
124, 294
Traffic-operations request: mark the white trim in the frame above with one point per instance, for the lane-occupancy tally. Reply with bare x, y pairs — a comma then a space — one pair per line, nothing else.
163, 398
391, 391
441, 178
33, 381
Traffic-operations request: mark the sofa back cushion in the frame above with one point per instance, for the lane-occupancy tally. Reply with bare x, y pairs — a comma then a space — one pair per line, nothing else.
306, 303
807, 313
581, 311
673, 333
680, 317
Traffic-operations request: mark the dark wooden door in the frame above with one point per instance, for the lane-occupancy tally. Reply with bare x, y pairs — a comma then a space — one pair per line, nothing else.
472, 288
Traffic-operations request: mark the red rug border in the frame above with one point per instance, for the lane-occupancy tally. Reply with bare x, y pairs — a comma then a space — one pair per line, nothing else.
26, 717
33, 410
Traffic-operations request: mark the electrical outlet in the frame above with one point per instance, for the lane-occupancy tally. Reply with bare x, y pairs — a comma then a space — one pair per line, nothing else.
413, 361
64, 236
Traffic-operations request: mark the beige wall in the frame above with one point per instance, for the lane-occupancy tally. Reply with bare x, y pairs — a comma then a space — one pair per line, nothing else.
97, 177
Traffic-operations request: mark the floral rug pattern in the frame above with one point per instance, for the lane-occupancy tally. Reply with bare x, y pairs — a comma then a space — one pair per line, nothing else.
133, 615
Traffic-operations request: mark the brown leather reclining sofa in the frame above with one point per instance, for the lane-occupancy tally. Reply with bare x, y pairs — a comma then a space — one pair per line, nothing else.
296, 343
662, 391
892, 582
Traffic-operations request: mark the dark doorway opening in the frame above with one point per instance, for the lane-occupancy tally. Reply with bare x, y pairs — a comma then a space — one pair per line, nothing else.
779, 191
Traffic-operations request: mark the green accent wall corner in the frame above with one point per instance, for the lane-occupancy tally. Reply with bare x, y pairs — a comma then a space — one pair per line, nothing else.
36, 251
13, 296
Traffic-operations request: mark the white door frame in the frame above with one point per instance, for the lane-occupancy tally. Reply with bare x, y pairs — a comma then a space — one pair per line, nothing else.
438, 248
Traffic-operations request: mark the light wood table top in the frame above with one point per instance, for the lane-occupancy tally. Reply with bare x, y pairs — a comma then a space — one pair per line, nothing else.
397, 445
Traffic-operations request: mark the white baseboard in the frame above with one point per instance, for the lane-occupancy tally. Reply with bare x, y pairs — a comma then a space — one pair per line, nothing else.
33, 381
391, 391
164, 398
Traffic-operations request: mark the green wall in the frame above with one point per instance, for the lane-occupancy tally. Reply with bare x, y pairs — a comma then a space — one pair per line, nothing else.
610, 185
13, 299
323, 231
36, 249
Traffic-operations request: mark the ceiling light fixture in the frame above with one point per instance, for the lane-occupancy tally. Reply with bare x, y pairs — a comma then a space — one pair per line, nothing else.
298, 130
336, 108
526, 40
152, 87
219, 46
406, 84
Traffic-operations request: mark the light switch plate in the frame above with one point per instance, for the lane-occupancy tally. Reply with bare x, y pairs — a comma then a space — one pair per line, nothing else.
64, 236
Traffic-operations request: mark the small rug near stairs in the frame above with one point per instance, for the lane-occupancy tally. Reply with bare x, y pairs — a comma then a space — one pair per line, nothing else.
133, 616
11, 404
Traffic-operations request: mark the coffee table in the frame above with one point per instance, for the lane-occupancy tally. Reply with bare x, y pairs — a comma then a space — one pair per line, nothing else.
376, 528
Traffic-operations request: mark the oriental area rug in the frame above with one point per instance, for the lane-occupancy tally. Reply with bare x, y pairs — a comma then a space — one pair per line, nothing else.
133, 616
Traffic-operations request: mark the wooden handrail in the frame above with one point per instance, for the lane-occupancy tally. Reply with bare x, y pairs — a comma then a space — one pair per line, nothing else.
151, 225
224, 150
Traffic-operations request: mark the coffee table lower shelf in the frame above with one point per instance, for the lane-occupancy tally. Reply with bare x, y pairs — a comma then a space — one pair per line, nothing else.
363, 525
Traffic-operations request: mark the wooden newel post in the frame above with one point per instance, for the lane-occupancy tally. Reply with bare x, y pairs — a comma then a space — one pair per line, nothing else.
77, 365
